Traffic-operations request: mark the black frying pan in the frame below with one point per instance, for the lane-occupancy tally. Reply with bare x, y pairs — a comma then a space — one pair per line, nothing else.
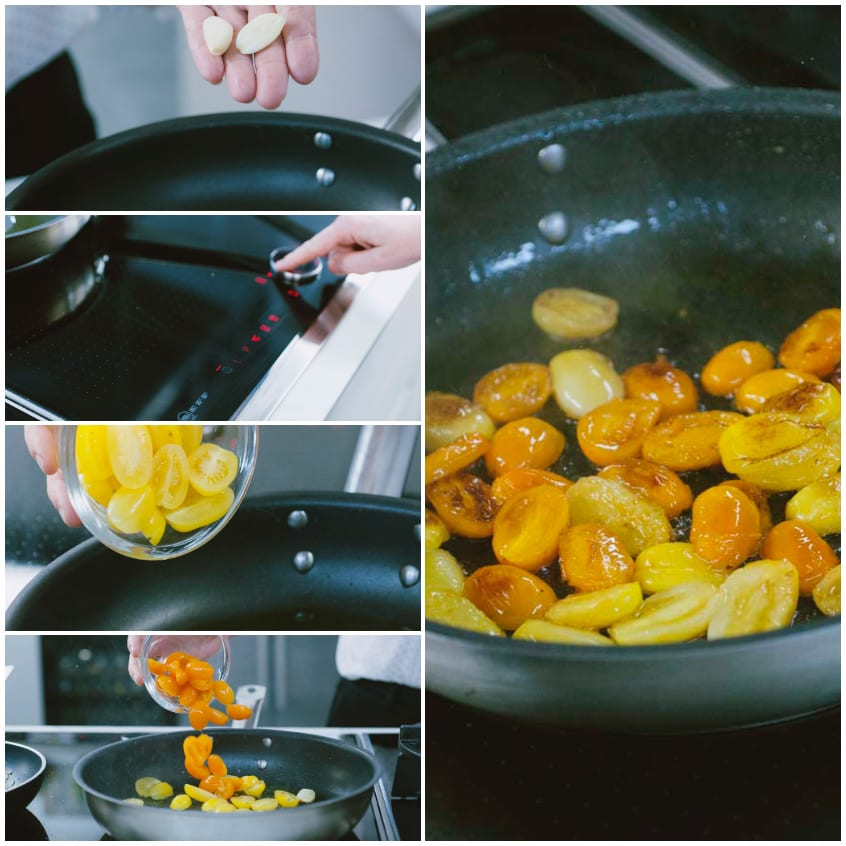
236, 162
25, 768
710, 217
341, 775
353, 565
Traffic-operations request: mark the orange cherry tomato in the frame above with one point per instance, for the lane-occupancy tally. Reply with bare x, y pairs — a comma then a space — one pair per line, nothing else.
187, 696
239, 712
168, 685
731, 366
802, 546
465, 503
814, 346
758, 496
527, 442
522, 478
156, 667
198, 717
217, 717
513, 391
195, 769
655, 481
752, 395
205, 744
662, 382
508, 595
528, 527
223, 692
461, 453
614, 431
217, 766
210, 783
688, 441
593, 557
725, 526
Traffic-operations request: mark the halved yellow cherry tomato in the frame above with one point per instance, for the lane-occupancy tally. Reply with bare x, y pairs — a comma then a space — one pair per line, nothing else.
92, 452
170, 475
201, 513
130, 510
130, 454
211, 469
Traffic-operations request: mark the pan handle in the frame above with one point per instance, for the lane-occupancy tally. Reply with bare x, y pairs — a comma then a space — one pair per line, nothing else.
252, 695
381, 460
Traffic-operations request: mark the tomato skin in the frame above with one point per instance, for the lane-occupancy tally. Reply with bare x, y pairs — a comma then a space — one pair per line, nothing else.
508, 595
201, 513
465, 503
593, 558
527, 442
802, 546
513, 391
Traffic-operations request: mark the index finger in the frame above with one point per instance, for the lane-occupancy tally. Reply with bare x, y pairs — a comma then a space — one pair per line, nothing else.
318, 245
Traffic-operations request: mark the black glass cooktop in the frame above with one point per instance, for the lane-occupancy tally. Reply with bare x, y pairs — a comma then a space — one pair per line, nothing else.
180, 320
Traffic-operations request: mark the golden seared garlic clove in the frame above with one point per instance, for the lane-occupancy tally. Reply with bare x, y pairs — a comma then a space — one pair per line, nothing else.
448, 416
760, 597
675, 615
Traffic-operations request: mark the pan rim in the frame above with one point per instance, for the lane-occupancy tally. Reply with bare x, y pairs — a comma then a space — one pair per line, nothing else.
325, 803
597, 114
139, 135
569, 652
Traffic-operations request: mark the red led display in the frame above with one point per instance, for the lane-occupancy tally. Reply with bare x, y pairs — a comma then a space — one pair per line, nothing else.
260, 280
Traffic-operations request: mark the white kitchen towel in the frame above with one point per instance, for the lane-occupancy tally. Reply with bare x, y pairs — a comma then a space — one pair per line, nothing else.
385, 658
37, 34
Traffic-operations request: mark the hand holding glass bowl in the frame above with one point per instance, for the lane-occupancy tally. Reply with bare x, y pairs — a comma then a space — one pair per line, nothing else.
156, 492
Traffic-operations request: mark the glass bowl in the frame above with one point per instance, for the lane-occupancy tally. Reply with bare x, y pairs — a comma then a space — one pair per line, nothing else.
211, 648
241, 440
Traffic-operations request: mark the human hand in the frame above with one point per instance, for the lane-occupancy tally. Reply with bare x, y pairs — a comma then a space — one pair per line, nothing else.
200, 646
264, 76
361, 244
42, 443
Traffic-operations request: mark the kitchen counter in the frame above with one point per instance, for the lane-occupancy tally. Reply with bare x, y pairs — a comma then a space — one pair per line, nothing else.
491, 778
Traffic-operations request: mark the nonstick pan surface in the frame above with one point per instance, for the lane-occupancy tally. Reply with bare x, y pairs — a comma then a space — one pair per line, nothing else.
25, 768
709, 217
233, 162
341, 775
351, 566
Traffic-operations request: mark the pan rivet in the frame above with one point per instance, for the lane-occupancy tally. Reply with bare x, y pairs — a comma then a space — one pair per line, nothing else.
552, 158
554, 228
267, 741
261, 764
322, 140
303, 561
409, 575
407, 204
418, 533
298, 519
325, 176
417, 170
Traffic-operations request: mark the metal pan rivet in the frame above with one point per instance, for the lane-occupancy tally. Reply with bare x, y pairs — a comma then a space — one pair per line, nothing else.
417, 171
409, 575
552, 158
418, 532
554, 227
261, 764
407, 204
267, 741
323, 140
298, 519
303, 561
325, 176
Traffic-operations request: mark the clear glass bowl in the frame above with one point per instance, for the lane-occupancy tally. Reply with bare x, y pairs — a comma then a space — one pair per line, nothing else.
242, 440
211, 648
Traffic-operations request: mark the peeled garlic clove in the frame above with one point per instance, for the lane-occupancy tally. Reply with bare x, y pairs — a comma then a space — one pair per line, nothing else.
583, 379
259, 33
217, 33
759, 597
